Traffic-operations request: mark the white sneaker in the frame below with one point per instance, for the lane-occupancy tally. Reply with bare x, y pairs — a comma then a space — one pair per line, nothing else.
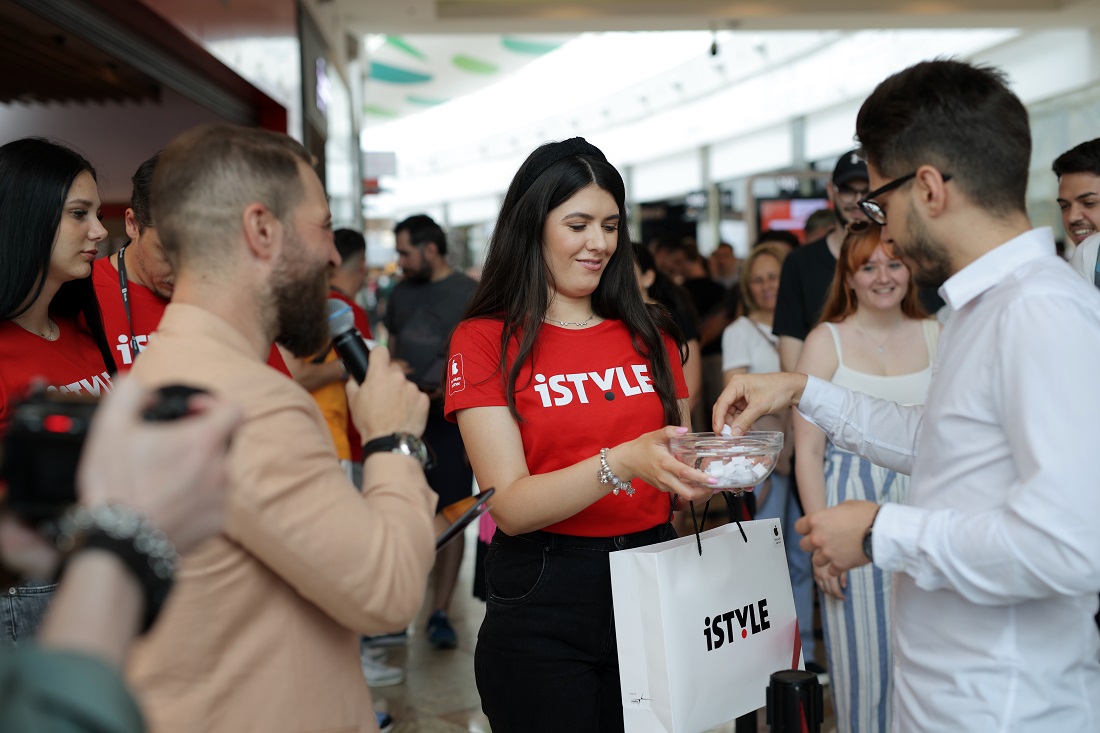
376, 653
380, 675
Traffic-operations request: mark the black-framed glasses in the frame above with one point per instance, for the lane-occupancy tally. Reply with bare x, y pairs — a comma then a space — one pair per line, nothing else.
873, 209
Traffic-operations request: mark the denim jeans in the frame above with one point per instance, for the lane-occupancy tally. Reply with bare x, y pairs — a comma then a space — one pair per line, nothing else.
21, 611
546, 659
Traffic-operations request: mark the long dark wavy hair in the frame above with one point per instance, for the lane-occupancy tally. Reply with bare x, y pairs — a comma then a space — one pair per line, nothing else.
35, 177
515, 282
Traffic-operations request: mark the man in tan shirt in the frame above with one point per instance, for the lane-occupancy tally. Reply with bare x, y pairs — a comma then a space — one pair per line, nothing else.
261, 631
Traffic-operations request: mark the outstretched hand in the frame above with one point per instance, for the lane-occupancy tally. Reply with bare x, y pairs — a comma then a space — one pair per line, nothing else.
748, 397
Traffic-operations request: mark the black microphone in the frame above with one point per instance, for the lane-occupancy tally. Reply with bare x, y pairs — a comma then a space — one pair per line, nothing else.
351, 347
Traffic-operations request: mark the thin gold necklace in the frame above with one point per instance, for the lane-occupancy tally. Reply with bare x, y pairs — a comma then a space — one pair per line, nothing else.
50, 335
578, 324
881, 346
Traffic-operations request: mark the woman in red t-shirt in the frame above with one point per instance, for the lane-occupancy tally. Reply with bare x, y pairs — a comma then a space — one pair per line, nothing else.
567, 389
50, 327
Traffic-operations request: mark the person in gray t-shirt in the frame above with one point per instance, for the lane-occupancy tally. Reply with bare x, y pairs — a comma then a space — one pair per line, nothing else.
423, 310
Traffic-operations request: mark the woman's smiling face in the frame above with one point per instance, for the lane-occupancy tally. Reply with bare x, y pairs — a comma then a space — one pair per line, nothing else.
578, 239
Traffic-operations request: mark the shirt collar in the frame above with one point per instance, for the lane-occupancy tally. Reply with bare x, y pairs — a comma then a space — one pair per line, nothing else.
995, 265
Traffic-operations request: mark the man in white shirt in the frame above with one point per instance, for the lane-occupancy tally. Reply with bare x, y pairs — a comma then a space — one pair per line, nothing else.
996, 554
1078, 171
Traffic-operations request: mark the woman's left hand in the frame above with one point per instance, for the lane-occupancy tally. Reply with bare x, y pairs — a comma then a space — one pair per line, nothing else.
651, 460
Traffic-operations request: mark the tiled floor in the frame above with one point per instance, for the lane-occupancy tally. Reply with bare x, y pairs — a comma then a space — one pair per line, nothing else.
439, 695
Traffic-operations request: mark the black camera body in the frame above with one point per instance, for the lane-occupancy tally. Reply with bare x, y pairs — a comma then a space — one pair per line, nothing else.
45, 439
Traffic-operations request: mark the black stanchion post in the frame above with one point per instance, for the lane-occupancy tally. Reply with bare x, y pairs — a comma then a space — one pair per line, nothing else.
795, 703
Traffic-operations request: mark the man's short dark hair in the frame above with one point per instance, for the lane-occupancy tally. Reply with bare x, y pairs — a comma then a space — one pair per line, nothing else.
423, 229
777, 235
1085, 158
961, 118
349, 243
139, 196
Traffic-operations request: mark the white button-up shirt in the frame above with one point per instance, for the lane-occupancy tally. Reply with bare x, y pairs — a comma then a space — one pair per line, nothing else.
997, 552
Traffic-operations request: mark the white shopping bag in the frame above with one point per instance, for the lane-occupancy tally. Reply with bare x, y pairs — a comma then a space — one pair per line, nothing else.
699, 636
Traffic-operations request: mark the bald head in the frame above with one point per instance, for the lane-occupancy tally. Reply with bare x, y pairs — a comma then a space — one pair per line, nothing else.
209, 175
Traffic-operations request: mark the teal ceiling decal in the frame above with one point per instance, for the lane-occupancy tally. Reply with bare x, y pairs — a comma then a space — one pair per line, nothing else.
402, 45
424, 101
374, 110
533, 48
474, 66
396, 75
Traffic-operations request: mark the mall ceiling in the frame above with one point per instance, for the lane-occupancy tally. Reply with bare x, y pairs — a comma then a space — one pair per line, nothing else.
575, 16
43, 62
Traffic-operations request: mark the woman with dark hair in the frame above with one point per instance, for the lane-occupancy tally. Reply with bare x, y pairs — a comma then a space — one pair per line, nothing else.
50, 328
659, 289
873, 337
567, 390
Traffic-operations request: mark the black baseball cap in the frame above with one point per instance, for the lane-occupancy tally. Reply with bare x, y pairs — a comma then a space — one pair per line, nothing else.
849, 167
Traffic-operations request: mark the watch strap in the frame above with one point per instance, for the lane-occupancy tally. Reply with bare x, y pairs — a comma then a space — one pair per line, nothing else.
402, 444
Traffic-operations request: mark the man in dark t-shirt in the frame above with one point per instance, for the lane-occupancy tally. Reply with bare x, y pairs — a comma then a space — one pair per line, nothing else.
808, 271
423, 310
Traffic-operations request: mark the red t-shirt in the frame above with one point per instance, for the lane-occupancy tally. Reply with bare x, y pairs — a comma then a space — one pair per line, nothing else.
362, 324
146, 310
581, 391
72, 363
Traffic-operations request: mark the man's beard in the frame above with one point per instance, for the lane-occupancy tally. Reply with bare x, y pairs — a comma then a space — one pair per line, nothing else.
926, 258
300, 308
419, 276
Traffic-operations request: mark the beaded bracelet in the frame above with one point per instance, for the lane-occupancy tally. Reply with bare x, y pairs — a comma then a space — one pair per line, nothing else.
138, 543
607, 476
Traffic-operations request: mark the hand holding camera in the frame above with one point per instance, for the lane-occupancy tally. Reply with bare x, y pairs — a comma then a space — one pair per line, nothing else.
162, 454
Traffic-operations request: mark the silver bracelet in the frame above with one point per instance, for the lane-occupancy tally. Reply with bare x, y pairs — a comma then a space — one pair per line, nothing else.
607, 476
120, 523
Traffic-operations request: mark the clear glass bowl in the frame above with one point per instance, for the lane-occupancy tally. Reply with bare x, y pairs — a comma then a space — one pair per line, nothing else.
738, 462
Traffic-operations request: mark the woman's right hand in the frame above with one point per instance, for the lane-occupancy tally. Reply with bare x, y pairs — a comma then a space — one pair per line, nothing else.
649, 458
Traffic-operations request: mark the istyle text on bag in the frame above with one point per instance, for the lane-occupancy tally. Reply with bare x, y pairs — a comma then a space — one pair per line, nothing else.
752, 618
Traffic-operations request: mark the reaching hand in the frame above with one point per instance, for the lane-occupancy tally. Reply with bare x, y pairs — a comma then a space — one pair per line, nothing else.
174, 472
748, 397
387, 402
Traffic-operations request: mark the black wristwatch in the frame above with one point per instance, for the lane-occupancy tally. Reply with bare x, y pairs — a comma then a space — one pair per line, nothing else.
405, 444
867, 544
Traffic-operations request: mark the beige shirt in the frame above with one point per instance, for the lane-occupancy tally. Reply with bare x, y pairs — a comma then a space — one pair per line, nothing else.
259, 633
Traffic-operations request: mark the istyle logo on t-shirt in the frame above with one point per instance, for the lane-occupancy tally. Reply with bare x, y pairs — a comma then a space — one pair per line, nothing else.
612, 381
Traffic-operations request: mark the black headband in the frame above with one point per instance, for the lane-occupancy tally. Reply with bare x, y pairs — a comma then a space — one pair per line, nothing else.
551, 153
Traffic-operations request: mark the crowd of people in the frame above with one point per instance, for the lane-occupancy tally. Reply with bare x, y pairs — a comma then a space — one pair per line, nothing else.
924, 350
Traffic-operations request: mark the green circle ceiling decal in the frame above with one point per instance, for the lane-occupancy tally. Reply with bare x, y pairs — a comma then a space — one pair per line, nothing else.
401, 44
474, 66
424, 101
375, 111
534, 48
397, 75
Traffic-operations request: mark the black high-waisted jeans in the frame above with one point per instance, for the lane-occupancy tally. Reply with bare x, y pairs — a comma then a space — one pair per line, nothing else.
546, 659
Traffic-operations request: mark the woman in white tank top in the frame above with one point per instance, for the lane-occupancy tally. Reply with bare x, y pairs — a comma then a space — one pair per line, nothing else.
873, 338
